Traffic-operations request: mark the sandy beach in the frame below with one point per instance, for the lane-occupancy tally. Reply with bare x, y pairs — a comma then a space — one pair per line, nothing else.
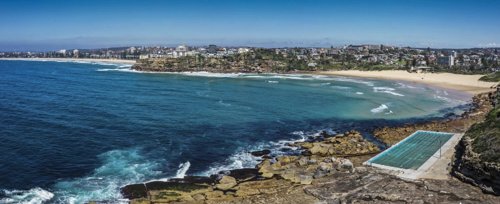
460, 82
118, 61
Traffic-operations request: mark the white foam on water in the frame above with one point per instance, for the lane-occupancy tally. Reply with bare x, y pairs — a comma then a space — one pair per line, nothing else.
221, 102
345, 79
210, 74
107, 70
406, 86
32, 196
388, 90
341, 87
359, 93
442, 98
307, 77
119, 168
380, 109
241, 159
273, 82
183, 168
122, 70
125, 66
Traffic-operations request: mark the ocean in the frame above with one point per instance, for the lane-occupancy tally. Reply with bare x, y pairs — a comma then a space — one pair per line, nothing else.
72, 132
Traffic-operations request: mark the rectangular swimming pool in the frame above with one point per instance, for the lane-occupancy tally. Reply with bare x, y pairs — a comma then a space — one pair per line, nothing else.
413, 151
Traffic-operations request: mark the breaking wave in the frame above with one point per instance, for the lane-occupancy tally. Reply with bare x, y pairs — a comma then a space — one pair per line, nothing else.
119, 168
31, 196
244, 159
183, 168
386, 90
380, 109
341, 87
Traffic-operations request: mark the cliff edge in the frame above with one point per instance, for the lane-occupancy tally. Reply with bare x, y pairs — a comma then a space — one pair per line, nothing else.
477, 157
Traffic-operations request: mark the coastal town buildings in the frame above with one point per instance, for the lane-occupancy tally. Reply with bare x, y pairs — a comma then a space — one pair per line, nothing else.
448, 61
474, 60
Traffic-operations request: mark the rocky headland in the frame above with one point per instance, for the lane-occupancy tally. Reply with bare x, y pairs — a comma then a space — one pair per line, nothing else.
477, 157
329, 170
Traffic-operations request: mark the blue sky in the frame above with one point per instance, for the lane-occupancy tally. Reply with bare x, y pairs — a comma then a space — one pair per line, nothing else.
50, 24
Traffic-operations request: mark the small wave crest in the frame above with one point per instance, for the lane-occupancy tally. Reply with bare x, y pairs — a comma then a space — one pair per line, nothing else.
388, 90
406, 86
383, 108
119, 168
222, 103
242, 158
345, 79
341, 87
32, 196
183, 168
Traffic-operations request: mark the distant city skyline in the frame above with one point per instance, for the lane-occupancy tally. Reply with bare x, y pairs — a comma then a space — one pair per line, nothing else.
52, 25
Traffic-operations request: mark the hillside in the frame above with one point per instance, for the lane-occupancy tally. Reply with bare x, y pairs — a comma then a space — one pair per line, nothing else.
478, 154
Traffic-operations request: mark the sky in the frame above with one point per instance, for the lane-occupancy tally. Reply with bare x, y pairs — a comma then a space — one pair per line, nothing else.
57, 24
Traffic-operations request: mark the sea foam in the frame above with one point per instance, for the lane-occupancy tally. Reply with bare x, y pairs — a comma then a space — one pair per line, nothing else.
380, 109
119, 168
243, 159
32, 196
183, 168
388, 90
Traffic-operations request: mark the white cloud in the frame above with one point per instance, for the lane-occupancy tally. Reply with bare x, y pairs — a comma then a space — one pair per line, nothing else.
491, 44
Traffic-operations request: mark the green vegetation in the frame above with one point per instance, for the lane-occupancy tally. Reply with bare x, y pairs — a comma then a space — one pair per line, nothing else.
486, 137
263, 60
493, 77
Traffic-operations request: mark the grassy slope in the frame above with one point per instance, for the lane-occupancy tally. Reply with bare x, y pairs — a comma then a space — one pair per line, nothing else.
493, 77
486, 137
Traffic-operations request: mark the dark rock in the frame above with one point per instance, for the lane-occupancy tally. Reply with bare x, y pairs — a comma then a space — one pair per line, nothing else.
286, 149
173, 185
134, 191
267, 157
194, 179
319, 173
241, 175
325, 134
306, 153
261, 153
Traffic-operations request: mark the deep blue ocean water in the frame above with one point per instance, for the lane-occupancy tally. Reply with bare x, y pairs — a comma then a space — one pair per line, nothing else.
73, 132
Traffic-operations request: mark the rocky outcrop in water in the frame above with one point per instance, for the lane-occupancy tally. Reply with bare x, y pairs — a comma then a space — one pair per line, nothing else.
321, 174
348, 144
272, 175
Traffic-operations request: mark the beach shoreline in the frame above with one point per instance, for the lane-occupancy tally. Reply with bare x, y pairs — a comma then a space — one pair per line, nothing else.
464, 83
118, 61
460, 82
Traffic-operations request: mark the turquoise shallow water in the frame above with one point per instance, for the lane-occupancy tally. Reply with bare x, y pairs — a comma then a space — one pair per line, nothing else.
71, 132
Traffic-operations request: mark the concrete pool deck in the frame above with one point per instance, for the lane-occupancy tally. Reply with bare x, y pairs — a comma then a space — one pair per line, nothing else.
435, 167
